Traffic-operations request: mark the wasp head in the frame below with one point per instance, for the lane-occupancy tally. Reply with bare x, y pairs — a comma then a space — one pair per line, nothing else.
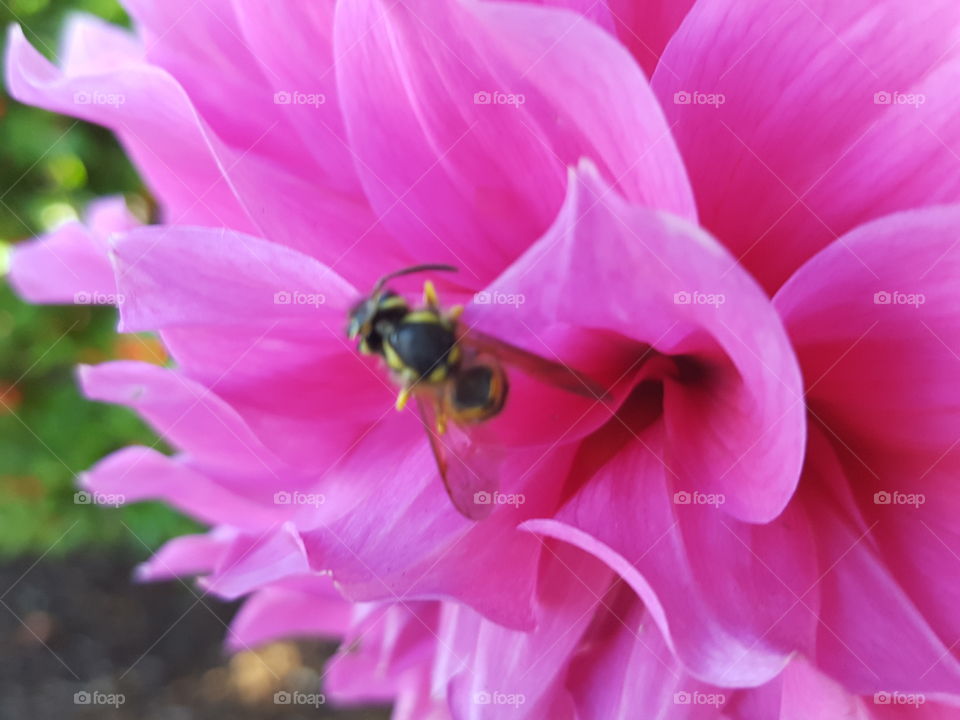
373, 317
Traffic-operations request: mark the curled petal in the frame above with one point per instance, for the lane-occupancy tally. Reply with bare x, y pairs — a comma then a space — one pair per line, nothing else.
728, 596
734, 405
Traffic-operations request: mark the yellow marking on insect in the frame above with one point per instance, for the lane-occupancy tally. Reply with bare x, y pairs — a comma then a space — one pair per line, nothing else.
403, 398
422, 316
430, 294
470, 415
393, 360
455, 312
438, 374
453, 357
392, 302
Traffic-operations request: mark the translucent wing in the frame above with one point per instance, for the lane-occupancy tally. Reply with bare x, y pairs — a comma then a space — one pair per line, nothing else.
469, 467
552, 373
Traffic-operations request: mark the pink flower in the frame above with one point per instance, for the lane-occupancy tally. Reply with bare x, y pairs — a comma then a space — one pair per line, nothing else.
756, 252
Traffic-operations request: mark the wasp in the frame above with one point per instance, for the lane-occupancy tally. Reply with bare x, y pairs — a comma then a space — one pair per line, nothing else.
456, 374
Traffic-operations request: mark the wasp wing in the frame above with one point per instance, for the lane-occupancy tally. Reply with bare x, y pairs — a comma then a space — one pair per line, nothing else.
468, 467
547, 371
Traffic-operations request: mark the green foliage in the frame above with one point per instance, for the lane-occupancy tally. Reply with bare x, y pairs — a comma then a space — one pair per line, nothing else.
51, 167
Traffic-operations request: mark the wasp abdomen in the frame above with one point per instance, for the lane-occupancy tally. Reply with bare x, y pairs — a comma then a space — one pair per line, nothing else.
473, 388
479, 392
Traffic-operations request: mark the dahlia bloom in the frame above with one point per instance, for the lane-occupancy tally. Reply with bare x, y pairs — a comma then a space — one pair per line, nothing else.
754, 250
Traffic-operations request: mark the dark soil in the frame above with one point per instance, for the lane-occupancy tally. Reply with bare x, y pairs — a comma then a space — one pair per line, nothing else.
80, 625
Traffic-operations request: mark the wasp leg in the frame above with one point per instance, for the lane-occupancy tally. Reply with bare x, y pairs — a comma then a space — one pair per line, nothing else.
430, 298
441, 423
455, 312
403, 398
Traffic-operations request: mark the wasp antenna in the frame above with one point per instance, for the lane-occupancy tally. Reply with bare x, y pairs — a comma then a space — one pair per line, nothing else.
410, 271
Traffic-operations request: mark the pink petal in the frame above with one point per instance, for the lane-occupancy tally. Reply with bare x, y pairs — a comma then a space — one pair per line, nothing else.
644, 26
256, 560
64, 266
876, 310
281, 36
195, 276
802, 148
529, 665
647, 26
91, 46
280, 383
874, 323
70, 264
596, 12
738, 428
199, 177
261, 324
885, 643
807, 694
277, 612
186, 555
725, 594
197, 42
896, 706
403, 537
139, 473
473, 183
626, 665
218, 444
381, 651
185, 413
414, 701
308, 200
109, 215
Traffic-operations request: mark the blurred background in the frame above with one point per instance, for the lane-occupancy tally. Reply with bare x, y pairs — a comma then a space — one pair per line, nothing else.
71, 619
